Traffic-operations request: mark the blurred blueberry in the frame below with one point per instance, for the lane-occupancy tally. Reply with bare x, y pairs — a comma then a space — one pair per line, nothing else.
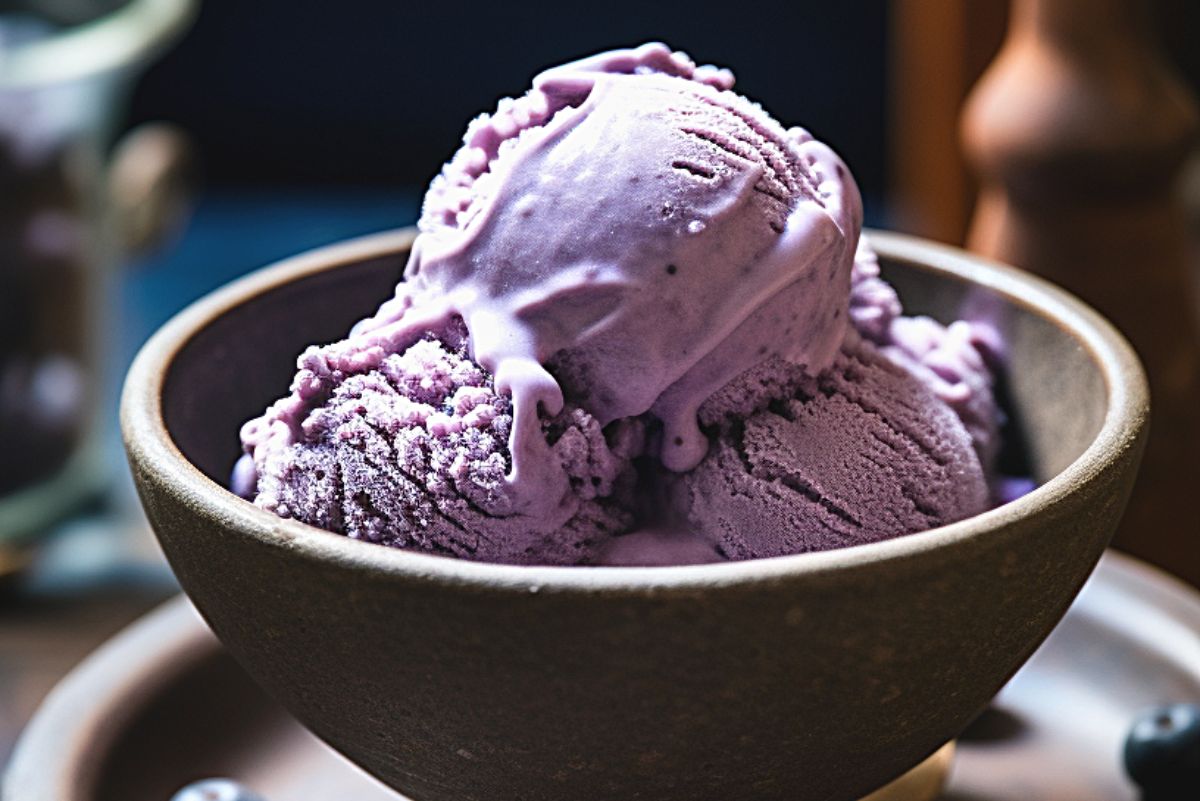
216, 790
1162, 752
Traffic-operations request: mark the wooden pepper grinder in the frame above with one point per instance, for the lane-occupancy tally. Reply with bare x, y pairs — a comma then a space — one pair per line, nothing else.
1078, 131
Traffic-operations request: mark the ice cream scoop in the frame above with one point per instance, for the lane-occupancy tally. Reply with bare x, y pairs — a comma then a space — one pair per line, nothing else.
413, 453
862, 451
679, 228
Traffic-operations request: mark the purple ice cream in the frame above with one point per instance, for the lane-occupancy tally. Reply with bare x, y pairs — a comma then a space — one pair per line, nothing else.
414, 453
632, 290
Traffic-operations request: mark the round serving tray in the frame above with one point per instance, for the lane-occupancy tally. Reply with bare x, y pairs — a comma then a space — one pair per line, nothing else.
162, 705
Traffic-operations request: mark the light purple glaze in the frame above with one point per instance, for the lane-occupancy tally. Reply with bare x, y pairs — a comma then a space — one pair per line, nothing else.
687, 229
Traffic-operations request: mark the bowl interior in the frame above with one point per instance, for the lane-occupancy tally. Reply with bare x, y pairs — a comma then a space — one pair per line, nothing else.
234, 367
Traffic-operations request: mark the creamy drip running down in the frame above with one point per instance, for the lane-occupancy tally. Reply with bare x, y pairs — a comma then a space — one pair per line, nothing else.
709, 191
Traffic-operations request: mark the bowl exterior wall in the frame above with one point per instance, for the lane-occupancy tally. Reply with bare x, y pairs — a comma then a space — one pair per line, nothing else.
810, 687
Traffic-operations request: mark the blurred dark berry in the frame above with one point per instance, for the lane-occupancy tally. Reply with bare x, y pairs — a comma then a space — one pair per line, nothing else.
1162, 753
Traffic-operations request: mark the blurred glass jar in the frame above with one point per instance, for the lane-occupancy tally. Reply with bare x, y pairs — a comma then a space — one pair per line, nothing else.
71, 205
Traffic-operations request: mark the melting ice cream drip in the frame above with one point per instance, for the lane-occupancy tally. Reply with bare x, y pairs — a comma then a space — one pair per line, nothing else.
732, 164
632, 183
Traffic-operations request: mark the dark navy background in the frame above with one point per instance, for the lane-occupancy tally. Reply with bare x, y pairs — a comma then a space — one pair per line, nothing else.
368, 91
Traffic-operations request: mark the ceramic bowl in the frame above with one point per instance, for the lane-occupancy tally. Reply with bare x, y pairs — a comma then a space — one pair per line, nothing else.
815, 676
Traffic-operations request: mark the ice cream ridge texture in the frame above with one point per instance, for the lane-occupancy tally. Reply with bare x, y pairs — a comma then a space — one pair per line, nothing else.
637, 327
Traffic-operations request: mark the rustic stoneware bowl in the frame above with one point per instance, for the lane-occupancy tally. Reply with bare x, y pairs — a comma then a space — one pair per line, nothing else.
816, 676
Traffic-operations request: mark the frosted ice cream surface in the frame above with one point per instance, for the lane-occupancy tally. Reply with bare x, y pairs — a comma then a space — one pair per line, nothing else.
613, 273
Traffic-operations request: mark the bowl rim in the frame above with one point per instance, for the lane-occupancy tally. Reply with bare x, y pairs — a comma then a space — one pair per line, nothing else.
149, 444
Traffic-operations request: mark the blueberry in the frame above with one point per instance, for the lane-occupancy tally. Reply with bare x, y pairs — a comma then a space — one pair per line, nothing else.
216, 790
1162, 752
